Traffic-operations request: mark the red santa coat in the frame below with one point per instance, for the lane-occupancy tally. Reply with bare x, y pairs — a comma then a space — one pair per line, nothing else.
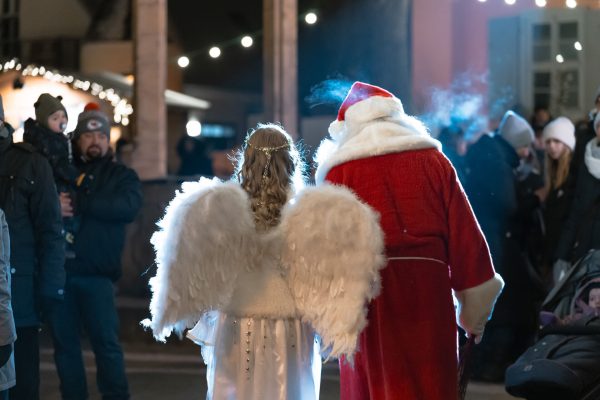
434, 245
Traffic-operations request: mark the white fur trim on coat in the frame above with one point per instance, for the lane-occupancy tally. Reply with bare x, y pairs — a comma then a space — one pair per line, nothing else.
591, 162
475, 305
333, 256
372, 127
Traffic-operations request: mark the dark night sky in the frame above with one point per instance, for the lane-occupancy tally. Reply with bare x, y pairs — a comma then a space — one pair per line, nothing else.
199, 26
342, 44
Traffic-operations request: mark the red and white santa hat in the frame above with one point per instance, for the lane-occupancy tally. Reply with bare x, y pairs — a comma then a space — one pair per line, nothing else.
363, 103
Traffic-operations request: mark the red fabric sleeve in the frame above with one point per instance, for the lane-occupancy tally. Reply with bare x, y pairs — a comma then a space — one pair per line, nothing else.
468, 253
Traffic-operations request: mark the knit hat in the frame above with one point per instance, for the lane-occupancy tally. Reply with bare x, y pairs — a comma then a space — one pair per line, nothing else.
92, 119
516, 130
561, 129
1, 110
365, 102
47, 105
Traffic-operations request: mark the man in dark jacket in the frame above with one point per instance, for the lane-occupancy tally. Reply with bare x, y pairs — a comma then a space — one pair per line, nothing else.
107, 198
499, 200
29, 200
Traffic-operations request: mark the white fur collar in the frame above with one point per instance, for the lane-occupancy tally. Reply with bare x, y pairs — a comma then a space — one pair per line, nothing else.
371, 138
592, 163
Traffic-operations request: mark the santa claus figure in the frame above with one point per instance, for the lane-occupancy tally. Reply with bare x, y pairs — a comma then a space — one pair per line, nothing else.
435, 249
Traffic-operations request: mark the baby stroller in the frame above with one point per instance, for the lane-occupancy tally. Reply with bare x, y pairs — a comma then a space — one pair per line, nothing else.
564, 364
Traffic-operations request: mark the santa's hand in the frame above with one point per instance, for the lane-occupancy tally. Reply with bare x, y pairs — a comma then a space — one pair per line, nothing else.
477, 336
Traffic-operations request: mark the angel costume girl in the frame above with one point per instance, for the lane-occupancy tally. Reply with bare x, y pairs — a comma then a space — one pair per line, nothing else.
264, 269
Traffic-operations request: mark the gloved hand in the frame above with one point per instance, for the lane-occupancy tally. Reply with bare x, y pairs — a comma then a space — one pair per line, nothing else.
5, 352
560, 269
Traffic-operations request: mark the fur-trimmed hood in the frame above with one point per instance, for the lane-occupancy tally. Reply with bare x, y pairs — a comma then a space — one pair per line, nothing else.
372, 127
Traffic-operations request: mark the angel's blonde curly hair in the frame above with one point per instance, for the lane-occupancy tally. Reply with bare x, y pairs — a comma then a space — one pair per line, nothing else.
269, 168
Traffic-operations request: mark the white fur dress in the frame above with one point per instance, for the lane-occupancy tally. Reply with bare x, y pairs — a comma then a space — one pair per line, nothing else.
261, 304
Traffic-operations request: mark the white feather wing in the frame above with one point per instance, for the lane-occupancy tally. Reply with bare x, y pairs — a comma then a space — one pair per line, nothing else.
201, 245
333, 254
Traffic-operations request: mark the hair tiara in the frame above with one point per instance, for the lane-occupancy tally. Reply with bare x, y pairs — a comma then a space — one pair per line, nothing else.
268, 152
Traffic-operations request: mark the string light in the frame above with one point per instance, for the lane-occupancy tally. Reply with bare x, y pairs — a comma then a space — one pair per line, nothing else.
247, 40
183, 61
122, 109
214, 52
310, 18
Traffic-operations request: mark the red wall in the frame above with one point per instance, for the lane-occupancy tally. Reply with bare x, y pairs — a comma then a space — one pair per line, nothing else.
450, 38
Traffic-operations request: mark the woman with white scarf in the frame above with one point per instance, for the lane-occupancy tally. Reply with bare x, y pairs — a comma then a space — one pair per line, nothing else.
582, 230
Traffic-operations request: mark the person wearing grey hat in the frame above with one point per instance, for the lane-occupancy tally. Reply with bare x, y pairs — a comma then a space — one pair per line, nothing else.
517, 132
30, 202
495, 186
108, 197
92, 119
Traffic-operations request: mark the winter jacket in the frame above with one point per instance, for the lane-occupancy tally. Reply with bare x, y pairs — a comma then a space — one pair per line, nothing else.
582, 136
503, 206
491, 187
556, 212
57, 150
30, 202
109, 197
8, 333
581, 232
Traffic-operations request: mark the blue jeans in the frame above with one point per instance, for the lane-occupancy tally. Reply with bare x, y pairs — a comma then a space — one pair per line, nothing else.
89, 302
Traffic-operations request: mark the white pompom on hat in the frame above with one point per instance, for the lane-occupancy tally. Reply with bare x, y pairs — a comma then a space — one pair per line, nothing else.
365, 102
561, 129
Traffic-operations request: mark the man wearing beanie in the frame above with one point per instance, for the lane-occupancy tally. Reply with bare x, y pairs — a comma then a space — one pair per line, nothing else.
107, 198
30, 202
495, 187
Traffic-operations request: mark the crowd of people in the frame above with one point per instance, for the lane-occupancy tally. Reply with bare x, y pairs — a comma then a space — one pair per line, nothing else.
65, 205
270, 276
535, 189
